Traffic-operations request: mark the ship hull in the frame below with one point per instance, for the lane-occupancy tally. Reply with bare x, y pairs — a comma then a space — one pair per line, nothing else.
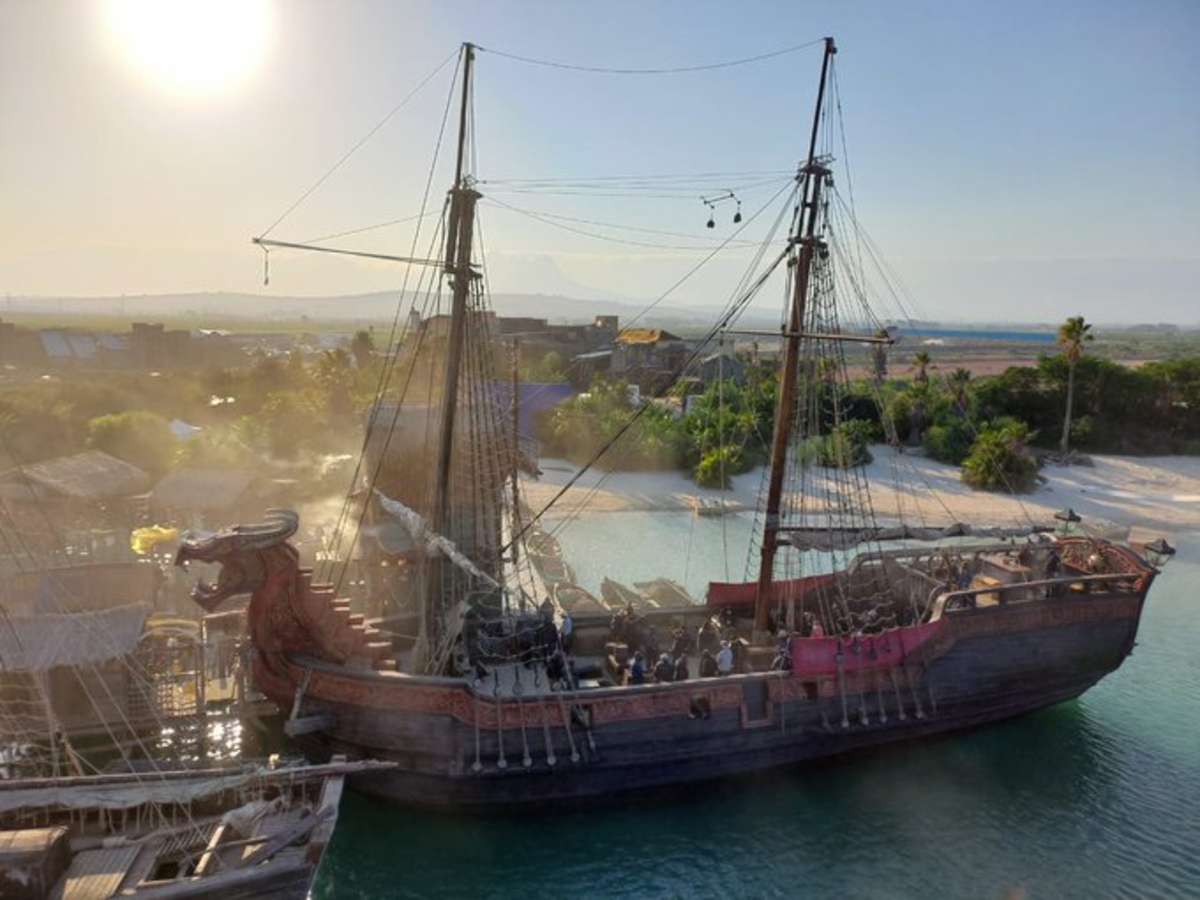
471, 748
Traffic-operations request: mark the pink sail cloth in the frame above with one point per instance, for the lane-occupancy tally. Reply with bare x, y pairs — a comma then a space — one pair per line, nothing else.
738, 593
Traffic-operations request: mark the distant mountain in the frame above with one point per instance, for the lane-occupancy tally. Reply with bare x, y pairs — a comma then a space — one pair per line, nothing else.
381, 306
366, 307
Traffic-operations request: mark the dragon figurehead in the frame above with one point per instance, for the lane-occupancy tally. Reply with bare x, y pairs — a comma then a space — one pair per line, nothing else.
285, 616
250, 556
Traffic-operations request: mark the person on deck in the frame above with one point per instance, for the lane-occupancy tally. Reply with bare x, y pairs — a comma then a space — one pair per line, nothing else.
708, 665
725, 659
652, 648
556, 667
740, 648
549, 633
783, 658
708, 639
681, 668
664, 671
637, 671
681, 642
566, 631
1053, 570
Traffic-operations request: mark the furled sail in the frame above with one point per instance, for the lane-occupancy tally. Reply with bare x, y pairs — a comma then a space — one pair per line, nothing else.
433, 543
826, 539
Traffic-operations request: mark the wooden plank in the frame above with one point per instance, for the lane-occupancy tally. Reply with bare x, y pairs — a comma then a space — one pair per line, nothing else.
287, 836
96, 874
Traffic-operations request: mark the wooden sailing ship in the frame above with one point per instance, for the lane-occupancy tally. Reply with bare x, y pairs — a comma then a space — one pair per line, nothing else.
241, 830
838, 642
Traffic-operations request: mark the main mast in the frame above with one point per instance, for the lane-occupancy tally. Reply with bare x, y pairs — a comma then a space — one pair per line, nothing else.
812, 176
459, 235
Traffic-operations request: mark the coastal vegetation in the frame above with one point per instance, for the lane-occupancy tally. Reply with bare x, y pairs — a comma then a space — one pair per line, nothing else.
294, 412
997, 428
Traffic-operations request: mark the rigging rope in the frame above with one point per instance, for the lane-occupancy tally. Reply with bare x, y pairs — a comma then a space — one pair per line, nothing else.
602, 70
354, 149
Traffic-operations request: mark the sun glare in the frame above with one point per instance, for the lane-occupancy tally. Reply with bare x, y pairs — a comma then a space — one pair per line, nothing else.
191, 46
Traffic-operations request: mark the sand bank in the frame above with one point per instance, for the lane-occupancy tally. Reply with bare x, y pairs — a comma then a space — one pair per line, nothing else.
1113, 493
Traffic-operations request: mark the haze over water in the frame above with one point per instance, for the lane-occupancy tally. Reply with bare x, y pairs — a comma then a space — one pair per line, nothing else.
1097, 798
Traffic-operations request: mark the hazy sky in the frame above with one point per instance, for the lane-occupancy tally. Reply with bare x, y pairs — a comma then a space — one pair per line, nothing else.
1025, 160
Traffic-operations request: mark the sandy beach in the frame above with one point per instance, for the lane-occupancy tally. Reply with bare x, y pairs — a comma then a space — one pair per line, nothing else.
1113, 494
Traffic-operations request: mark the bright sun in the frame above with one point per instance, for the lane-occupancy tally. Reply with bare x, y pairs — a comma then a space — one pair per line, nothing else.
191, 46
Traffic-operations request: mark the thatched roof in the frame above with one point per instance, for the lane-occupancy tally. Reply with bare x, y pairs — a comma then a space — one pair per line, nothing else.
93, 475
202, 489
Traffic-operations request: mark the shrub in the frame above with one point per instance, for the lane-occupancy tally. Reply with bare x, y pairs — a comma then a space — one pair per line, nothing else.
1000, 460
949, 442
717, 465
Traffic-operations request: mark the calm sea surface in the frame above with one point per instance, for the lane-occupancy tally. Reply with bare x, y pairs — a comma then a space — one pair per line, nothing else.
982, 334
1095, 798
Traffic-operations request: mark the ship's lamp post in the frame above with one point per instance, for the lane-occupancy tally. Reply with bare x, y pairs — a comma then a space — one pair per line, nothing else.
1067, 520
1158, 552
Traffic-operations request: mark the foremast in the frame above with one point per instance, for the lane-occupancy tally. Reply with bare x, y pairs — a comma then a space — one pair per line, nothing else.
812, 176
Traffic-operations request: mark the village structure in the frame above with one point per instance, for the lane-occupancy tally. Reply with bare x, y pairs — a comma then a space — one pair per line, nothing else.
644, 356
95, 500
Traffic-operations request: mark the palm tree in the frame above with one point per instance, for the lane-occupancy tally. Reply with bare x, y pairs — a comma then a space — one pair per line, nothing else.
957, 383
1072, 334
921, 362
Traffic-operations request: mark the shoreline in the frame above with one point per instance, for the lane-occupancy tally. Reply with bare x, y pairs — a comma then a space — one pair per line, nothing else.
1113, 494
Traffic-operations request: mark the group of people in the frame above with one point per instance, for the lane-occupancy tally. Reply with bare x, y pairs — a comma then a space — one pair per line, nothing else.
534, 637
652, 665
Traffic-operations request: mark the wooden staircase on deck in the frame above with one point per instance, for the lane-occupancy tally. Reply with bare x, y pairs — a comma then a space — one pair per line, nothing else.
344, 635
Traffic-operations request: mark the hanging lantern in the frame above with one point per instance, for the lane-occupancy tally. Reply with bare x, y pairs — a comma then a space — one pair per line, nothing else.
1158, 552
1067, 520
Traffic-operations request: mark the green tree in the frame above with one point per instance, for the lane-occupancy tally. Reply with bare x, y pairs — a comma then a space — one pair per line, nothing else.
645, 438
1072, 334
921, 363
141, 438
549, 368
362, 348
958, 383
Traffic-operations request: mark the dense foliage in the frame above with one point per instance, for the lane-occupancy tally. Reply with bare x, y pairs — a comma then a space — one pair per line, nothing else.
293, 411
285, 414
1151, 409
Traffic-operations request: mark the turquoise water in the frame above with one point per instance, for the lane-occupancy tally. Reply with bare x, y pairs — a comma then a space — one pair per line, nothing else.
1098, 798
981, 334
691, 550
